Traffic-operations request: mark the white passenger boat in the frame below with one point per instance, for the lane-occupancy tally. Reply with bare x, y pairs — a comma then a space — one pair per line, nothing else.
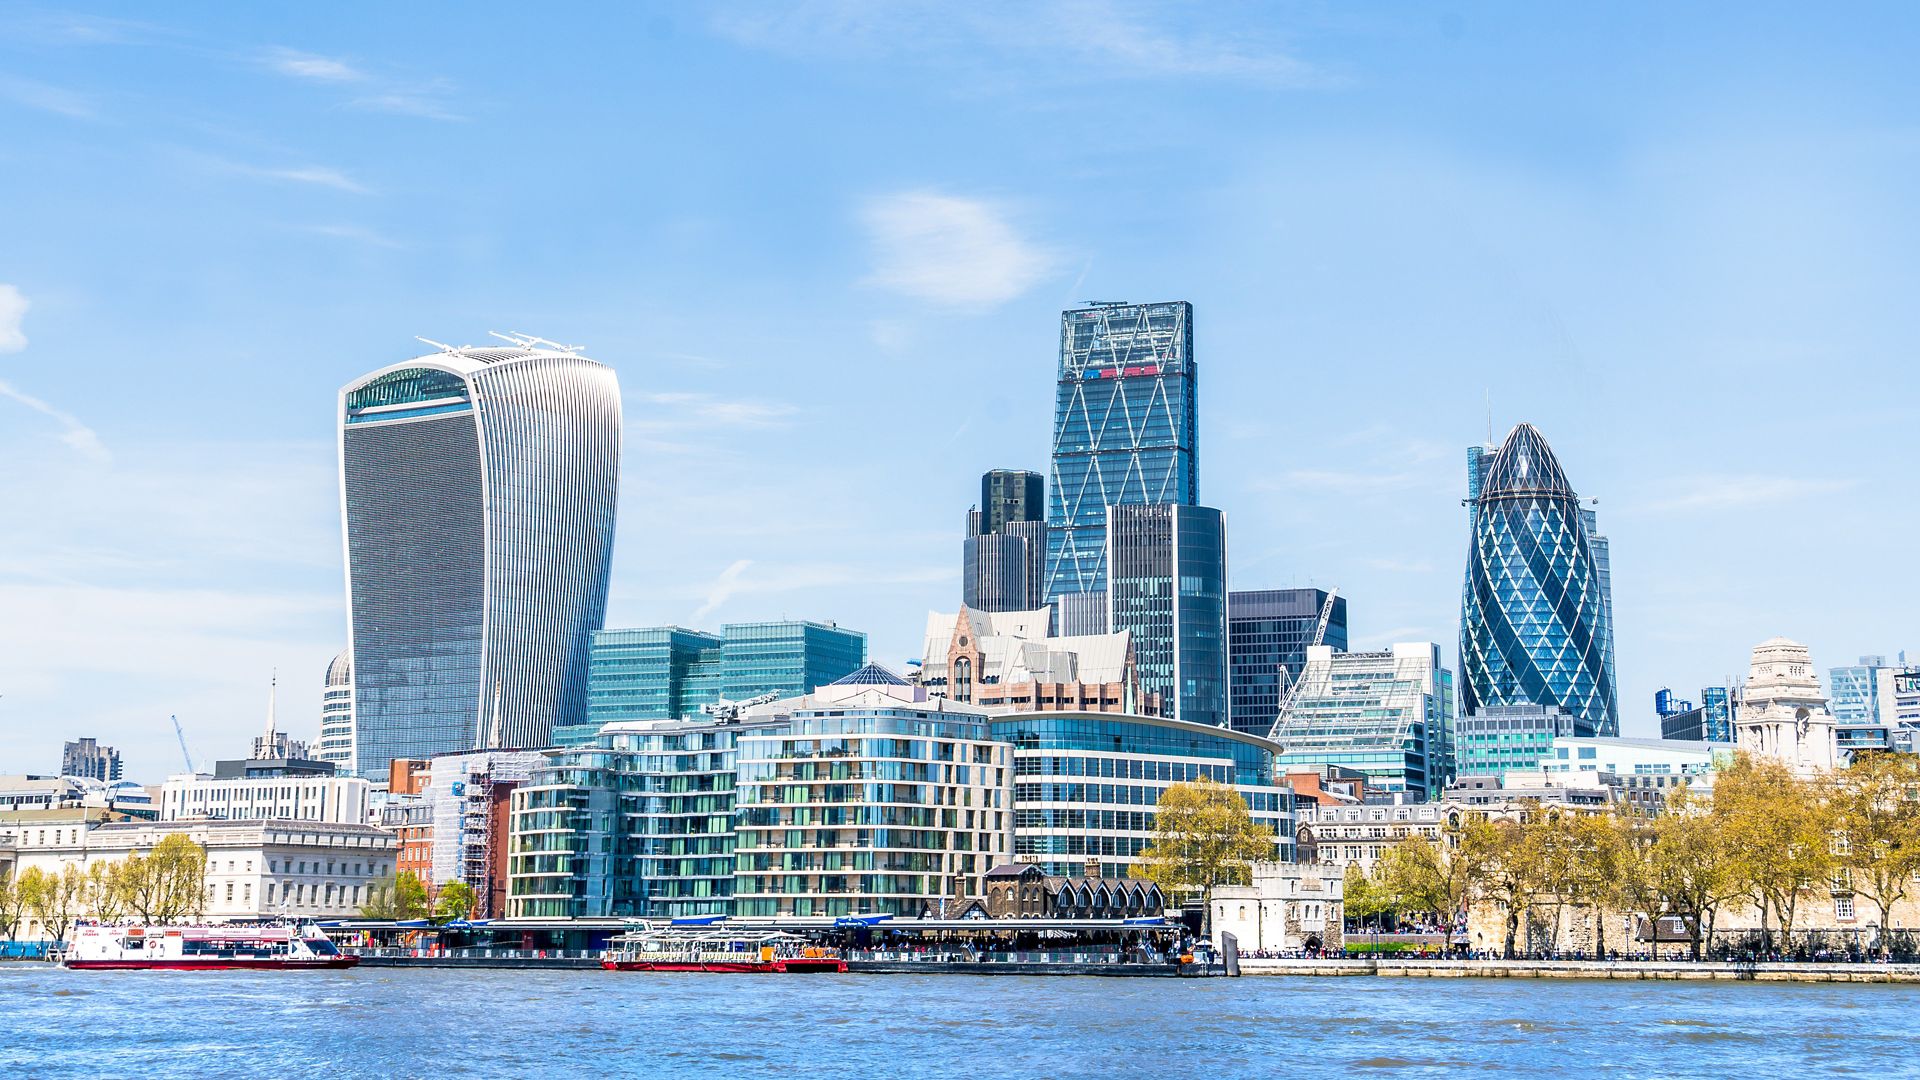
203, 948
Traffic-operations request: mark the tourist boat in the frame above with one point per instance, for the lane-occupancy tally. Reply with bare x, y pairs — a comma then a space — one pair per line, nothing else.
748, 952
204, 948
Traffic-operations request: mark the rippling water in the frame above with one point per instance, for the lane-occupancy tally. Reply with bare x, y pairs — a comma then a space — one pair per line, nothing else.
383, 1022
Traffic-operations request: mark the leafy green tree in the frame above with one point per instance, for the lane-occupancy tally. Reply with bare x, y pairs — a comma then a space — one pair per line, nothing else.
1778, 832
1596, 878
106, 893
1204, 836
1434, 876
396, 897
169, 883
1363, 896
13, 906
55, 898
1510, 865
1876, 810
31, 888
456, 901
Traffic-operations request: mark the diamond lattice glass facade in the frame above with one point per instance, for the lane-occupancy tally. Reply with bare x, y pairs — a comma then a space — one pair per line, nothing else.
478, 489
1536, 624
1123, 429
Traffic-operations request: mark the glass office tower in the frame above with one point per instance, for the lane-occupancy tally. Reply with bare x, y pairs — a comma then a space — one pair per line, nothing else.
1124, 430
478, 489
1004, 556
670, 672
1268, 632
1168, 586
1536, 624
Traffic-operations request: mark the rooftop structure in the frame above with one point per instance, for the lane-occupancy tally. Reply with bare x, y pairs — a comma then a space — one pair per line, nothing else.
1005, 660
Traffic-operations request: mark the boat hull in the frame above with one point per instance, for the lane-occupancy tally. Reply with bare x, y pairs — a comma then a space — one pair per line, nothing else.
797, 966
324, 963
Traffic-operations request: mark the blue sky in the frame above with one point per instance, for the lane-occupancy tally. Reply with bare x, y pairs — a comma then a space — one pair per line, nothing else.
826, 244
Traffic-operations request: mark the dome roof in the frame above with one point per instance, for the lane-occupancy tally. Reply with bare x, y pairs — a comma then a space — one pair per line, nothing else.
1525, 465
870, 675
340, 672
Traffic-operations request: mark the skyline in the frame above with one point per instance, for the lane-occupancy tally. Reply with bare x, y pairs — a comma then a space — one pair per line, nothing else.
263, 209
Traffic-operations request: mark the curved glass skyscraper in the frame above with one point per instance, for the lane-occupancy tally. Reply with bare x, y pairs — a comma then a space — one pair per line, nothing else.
478, 490
1536, 623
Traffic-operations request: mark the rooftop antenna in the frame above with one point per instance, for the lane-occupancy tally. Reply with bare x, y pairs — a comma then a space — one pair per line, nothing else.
273, 688
526, 341
438, 345
1489, 392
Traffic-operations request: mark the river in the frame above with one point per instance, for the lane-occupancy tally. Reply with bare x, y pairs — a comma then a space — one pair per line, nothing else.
438, 1022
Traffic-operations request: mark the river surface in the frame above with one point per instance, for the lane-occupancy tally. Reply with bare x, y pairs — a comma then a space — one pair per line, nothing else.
439, 1023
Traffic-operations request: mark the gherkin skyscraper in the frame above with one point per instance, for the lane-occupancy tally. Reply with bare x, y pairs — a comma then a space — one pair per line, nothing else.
1536, 622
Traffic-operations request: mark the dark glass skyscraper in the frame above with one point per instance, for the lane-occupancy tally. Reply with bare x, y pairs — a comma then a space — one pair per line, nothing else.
1124, 430
1168, 586
1267, 637
478, 490
1536, 625
1005, 551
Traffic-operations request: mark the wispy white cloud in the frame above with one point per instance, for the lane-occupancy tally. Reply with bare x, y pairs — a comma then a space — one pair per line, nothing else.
1080, 39
83, 439
1734, 492
736, 580
372, 92
687, 408
426, 104
950, 250
305, 65
47, 98
319, 176
13, 310
722, 589
359, 234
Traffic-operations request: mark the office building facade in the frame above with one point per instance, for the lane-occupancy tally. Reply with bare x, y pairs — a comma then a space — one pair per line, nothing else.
1536, 622
873, 799
640, 823
89, 760
478, 489
1387, 714
1004, 555
1500, 739
336, 715
671, 673
1086, 784
1006, 661
1268, 632
1167, 586
1856, 704
1124, 430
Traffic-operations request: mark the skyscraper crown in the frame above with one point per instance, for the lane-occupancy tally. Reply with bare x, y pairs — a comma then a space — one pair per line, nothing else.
1525, 465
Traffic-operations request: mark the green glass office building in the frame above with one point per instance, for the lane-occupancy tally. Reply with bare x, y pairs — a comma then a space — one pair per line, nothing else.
671, 672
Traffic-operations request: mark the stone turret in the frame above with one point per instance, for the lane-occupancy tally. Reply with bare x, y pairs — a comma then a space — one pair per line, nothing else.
1782, 714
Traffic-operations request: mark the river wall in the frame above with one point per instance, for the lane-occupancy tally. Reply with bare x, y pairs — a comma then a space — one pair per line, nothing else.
1589, 969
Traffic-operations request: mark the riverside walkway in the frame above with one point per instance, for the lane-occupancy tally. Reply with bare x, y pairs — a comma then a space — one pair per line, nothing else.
1676, 970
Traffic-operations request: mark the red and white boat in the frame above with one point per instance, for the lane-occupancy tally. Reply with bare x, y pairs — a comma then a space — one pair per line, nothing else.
204, 948
741, 953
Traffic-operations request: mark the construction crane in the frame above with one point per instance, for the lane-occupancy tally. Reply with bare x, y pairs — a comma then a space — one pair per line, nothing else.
181, 734
1288, 684
1326, 615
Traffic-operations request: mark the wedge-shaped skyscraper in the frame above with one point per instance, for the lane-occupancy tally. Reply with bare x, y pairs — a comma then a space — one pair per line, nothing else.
1536, 623
478, 489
